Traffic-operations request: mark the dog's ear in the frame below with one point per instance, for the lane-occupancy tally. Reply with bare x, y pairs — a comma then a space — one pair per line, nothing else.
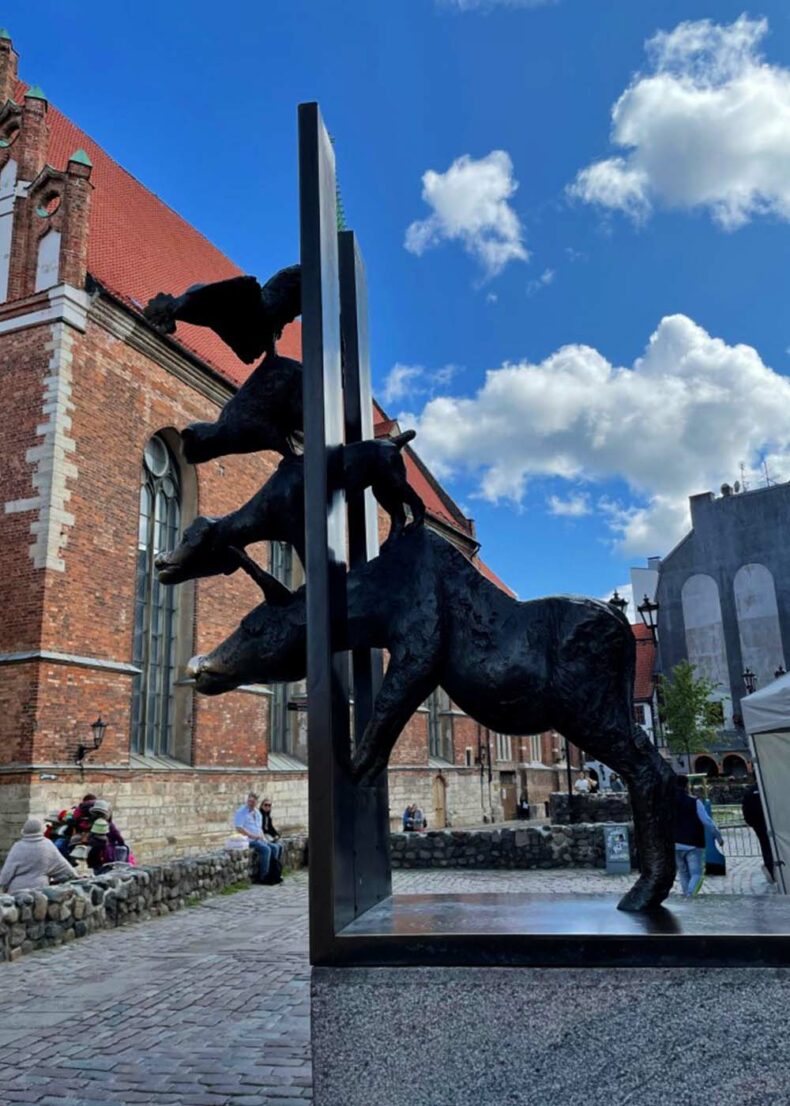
274, 592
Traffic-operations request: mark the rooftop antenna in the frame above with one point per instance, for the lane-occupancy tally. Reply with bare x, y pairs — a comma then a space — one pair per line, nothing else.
744, 481
768, 480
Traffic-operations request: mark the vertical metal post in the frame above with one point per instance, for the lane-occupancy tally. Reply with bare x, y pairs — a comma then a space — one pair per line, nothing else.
372, 870
349, 826
329, 782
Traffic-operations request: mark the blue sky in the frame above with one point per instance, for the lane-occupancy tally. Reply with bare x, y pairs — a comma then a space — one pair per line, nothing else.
544, 235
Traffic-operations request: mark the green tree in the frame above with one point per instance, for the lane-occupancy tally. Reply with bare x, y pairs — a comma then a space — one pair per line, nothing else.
688, 712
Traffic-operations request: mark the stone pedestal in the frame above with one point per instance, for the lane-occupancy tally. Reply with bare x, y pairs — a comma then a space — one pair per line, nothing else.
456, 1036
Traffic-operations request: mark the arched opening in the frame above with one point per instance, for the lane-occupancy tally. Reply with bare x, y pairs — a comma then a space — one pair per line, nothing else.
758, 621
735, 766
707, 765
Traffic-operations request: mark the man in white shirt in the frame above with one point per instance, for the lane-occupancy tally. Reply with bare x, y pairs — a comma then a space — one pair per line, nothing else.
248, 822
582, 785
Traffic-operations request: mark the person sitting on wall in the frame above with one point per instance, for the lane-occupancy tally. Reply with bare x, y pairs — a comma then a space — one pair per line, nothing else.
615, 783
101, 810
78, 821
56, 829
582, 784
691, 818
270, 831
248, 822
413, 819
33, 861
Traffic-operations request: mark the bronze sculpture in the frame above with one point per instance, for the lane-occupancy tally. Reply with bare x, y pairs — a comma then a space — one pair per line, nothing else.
516, 667
266, 412
276, 512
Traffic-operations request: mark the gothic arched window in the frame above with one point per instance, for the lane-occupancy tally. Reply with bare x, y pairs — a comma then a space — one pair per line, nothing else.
155, 605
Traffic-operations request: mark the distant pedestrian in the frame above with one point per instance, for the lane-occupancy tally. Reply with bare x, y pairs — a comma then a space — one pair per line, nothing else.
615, 783
270, 831
248, 822
33, 861
754, 816
582, 784
413, 819
691, 818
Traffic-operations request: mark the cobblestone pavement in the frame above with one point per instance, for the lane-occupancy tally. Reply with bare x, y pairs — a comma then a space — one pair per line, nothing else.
209, 1007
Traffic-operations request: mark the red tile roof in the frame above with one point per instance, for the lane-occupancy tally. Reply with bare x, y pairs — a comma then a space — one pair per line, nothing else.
139, 246
492, 576
645, 661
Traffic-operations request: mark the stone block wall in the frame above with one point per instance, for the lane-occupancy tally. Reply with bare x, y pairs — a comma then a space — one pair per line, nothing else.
576, 846
608, 807
31, 920
464, 804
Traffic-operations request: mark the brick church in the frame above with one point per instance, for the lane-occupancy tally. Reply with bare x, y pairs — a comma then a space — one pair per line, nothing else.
93, 484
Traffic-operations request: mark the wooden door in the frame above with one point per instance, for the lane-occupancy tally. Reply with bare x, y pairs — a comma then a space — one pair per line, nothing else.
439, 803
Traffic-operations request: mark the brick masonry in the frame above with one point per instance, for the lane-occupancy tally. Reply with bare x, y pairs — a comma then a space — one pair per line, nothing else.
86, 383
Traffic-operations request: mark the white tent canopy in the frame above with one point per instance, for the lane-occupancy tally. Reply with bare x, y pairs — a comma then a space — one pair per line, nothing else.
768, 710
766, 719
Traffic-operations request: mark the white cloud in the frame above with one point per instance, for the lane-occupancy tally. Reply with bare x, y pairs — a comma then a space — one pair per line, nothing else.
470, 205
400, 381
575, 506
677, 422
545, 278
707, 126
415, 380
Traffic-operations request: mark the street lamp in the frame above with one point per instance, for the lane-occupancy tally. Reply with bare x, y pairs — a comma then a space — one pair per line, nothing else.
649, 612
97, 729
779, 672
618, 602
749, 681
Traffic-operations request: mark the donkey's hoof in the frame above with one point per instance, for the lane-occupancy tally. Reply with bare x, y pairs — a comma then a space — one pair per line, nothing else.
645, 895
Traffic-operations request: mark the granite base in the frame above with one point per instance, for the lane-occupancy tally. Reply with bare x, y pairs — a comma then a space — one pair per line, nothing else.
455, 1036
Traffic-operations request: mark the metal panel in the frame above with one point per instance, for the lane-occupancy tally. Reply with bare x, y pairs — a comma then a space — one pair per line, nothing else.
372, 872
330, 789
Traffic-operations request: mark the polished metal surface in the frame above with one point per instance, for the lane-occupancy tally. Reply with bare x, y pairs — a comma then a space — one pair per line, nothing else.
565, 915
566, 931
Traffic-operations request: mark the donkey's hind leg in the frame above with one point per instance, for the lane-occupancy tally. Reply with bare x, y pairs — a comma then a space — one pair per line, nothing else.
651, 785
629, 752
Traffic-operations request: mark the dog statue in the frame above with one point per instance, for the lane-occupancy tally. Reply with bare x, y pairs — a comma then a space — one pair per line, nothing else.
276, 512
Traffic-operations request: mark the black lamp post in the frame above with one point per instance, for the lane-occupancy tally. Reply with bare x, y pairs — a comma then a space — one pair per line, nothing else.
618, 602
97, 728
749, 681
648, 611
779, 672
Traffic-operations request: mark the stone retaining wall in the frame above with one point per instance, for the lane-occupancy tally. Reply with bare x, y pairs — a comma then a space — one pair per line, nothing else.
54, 915
576, 846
